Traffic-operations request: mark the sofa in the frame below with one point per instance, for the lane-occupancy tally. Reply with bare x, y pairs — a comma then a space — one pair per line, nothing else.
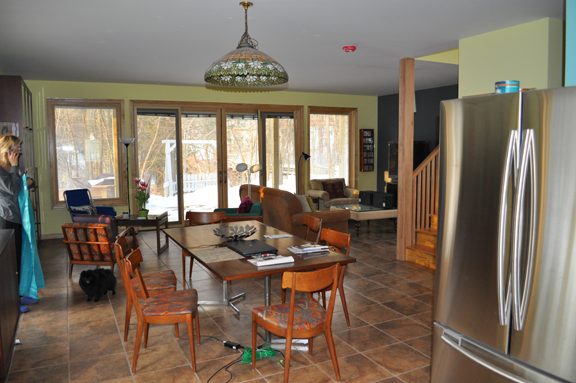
284, 211
316, 189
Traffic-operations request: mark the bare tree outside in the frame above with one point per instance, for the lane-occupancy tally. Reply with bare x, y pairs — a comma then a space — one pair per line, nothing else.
87, 150
329, 146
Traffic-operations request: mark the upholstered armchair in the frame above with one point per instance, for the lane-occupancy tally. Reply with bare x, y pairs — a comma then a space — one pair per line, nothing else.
332, 192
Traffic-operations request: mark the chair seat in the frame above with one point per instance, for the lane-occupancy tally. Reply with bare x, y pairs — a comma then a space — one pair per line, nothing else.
174, 303
161, 280
308, 314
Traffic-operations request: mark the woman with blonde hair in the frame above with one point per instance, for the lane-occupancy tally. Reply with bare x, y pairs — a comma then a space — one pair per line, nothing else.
10, 187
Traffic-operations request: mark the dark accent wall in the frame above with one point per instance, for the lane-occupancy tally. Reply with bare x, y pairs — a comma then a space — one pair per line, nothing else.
426, 122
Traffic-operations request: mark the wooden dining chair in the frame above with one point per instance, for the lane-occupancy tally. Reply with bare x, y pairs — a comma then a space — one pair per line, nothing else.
313, 226
195, 218
338, 242
156, 283
306, 317
174, 307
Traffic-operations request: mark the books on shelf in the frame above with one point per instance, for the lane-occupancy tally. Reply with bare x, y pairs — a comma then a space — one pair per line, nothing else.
269, 260
309, 248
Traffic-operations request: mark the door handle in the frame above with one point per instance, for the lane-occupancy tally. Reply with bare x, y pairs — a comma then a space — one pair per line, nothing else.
456, 343
527, 167
504, 283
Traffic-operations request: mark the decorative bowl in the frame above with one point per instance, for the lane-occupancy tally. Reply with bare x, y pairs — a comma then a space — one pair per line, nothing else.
235, 233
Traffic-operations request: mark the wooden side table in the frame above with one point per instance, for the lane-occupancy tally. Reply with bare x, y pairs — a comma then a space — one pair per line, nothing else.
152, 221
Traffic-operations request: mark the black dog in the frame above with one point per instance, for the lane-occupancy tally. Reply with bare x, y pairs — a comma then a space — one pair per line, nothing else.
96, 283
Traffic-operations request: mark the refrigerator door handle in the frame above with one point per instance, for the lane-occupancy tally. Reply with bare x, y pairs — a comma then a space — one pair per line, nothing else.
504, 283
455, 342
527, 165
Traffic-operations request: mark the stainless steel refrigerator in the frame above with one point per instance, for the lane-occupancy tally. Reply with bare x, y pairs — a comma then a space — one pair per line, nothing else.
505, 308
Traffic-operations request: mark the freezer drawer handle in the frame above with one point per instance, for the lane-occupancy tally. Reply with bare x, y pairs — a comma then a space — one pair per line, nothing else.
508, 173
505, 374
527, 164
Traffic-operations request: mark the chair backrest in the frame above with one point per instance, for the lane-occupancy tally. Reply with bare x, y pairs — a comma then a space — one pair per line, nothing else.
87, 242
132, 270
336, 239
79, 201
314, 225
106, 219
204, 217
122, 249
309, 282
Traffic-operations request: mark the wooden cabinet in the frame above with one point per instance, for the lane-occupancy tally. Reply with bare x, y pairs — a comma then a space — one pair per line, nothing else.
367, 150
9, 300
16, 118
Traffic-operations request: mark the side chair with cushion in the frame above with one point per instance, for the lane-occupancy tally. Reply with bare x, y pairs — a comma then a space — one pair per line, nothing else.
156, 283
194, 218
306, 317
332, 192
313, 226
174, 307
88, 244
338, 242
80, 202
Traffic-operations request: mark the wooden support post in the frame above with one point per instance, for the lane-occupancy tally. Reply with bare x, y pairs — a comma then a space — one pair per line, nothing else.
405, 156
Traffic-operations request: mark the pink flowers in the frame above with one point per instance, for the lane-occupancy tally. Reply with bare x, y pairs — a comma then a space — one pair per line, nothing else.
142, 194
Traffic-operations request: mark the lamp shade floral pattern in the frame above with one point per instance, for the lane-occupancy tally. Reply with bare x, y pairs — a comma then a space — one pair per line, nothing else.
246, 67
142, 195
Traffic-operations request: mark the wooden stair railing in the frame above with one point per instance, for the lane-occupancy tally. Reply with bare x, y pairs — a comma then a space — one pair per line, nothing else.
424, 212
425, 192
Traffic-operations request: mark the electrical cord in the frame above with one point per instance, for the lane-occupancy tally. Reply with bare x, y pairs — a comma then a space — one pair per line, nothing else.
225, 368
213, 337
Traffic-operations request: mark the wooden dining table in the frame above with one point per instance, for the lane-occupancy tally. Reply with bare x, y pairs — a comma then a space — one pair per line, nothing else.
195, 239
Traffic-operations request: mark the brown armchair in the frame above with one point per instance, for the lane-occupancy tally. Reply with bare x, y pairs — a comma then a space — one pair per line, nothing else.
283, 210
332, 192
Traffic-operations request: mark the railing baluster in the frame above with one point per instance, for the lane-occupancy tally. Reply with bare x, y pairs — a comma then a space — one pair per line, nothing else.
425, 192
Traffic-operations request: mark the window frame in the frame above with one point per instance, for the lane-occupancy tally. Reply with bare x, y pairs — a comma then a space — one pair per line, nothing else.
352, 114
118, 105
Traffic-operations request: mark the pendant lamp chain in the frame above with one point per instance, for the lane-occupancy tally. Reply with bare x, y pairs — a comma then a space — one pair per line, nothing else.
246, 39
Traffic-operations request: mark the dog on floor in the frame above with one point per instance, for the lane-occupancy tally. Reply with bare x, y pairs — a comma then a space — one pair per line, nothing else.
97, 282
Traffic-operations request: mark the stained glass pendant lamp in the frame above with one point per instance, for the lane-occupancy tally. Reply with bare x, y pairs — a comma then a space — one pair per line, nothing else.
246, 68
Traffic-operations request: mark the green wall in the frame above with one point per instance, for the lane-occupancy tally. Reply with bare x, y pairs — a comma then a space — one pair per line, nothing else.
52, 220
530, 53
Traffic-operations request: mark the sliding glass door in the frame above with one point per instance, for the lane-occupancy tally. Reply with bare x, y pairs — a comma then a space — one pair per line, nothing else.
199, 161
196, 156
280, 153
157, 160
242, 148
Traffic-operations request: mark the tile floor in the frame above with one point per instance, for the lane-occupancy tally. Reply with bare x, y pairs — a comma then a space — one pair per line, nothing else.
66, 339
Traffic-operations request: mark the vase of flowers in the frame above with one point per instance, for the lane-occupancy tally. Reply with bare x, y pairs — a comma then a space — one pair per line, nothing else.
142, 196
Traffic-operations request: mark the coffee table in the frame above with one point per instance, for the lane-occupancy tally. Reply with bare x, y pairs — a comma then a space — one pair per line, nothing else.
359, 212
196, 238
152, 221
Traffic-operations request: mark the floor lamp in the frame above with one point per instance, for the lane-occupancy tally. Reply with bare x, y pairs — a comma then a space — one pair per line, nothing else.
306, 158
127, 141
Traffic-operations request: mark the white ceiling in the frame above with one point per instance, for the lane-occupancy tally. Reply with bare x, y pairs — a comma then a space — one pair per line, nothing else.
173, 42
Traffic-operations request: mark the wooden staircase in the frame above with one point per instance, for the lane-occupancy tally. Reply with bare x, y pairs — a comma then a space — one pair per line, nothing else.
425, 212
423, 252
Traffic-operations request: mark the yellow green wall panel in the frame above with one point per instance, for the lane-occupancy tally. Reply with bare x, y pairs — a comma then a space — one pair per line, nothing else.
52, 220
530, 53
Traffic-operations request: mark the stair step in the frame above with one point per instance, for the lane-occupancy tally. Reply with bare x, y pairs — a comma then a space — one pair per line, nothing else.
422, 255
426, 237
